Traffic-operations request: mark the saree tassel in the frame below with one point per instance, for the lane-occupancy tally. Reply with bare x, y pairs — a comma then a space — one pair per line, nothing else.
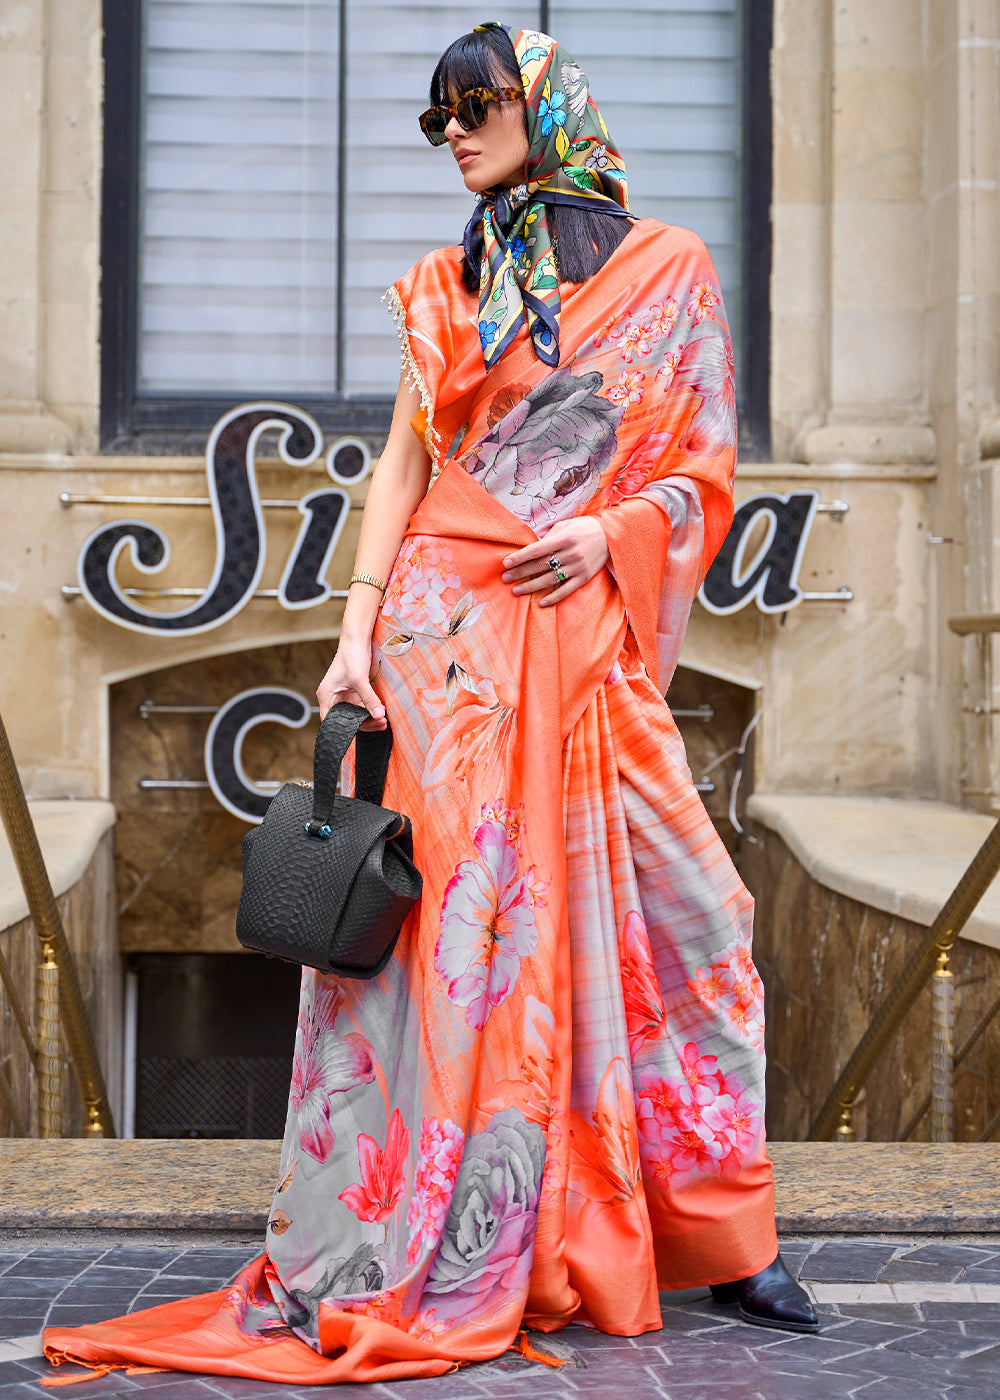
523, 1345
95, 1371
92, 1373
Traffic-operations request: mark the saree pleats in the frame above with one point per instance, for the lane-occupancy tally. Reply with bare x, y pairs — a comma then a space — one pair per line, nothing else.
550, 1103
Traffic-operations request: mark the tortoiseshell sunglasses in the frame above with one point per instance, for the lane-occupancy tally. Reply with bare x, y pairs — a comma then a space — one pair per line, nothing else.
470, 111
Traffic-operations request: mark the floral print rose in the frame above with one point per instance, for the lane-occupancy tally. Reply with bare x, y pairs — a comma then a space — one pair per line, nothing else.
545, 456
365, 1272
487, 925
484, 1256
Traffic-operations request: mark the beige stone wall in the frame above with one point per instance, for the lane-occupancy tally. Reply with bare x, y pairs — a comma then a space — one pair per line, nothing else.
885, 375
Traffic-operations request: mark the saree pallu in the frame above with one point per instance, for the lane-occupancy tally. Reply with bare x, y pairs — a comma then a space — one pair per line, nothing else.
550, 1104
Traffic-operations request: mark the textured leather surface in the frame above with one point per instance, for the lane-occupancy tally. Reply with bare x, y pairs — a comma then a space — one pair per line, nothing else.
336, 903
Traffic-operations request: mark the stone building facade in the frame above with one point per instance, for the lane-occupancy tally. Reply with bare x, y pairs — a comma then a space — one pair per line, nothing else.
884, 397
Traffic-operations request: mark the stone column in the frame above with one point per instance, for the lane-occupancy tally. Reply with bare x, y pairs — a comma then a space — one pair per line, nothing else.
877, 406
800, 213
963, 361
50, 95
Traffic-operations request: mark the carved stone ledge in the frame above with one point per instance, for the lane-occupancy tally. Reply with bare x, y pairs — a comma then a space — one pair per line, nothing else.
29, 427
869, 443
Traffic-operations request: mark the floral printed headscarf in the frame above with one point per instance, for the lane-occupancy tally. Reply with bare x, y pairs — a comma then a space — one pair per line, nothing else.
571, 160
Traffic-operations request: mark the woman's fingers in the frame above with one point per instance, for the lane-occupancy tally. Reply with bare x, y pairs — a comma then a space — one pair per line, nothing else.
361, 694
373, 705
531, 559
536, 584
561, 591
538, 568
580, 549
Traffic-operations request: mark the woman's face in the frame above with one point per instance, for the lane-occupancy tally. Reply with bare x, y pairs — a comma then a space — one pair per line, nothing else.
495, 153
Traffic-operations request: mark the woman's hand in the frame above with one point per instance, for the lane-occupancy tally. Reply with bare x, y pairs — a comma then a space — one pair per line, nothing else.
581, 548
349, 678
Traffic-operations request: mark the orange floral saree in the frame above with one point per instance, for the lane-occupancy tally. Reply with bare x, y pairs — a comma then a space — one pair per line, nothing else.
550, 1104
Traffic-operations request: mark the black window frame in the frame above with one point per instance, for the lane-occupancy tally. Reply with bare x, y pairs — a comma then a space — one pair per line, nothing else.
158, 424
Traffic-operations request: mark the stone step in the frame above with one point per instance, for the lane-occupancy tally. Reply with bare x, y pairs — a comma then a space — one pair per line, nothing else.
223, 1188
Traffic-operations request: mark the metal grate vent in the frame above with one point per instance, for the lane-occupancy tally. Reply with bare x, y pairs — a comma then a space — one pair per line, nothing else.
212, 1097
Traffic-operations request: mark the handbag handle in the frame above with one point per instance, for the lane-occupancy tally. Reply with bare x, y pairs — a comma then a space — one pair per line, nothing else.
338, 731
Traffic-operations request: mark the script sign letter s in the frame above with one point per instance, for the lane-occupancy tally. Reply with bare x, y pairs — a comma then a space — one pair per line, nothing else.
239, 526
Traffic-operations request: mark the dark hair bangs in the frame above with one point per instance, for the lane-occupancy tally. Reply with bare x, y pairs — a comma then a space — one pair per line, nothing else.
484, 58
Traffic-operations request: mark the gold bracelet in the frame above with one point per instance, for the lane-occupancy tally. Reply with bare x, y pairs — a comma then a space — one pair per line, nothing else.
371, 579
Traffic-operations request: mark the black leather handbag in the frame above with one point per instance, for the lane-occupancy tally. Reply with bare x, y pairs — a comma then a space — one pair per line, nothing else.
328, 880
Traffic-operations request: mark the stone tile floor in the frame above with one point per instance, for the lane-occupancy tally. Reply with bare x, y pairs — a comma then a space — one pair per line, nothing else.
901, 1321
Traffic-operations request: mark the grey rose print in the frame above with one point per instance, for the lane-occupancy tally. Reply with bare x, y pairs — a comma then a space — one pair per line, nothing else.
484, 1255
364, 1273
550, 448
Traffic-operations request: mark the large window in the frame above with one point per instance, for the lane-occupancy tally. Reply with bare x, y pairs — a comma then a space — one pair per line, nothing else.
266, 180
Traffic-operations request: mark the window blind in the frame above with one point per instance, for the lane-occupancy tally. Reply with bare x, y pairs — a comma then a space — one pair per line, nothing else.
242, 278
665, 74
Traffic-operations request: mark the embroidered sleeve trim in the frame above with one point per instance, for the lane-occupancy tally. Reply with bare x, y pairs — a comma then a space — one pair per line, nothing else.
412, 376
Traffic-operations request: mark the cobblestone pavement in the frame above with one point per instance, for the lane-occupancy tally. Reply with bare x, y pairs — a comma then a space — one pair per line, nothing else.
901, 1321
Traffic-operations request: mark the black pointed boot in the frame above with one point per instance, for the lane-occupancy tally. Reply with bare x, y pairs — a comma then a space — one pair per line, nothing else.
771, 1298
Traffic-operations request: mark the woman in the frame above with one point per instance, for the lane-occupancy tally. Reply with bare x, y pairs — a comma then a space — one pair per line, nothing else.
551, 1103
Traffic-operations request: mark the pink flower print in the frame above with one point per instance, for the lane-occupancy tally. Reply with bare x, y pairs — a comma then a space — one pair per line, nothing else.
612, 330
510, 818
384, 1306
382, 1177
711, 984
732, 987
736, 1122
701, 1076
696, 1149
636, 340
644, 1009
440, 1155
426, 1326
657, 1109
660, 318
628, 481
647, 458
668, 369
423, 586
236, 1304
324, 1064
487, 926
700, 1071
707, 366
702, 304
536, 887
627, 388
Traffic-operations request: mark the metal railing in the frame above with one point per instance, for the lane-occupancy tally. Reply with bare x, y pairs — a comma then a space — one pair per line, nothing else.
60, 1000
928, 963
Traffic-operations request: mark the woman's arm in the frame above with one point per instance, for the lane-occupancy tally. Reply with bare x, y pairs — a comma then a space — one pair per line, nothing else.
398, 485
